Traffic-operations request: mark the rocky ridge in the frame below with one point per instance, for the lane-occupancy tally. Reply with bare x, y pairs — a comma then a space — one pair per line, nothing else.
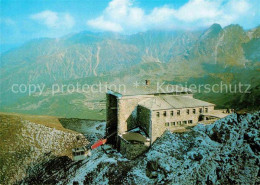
226, 152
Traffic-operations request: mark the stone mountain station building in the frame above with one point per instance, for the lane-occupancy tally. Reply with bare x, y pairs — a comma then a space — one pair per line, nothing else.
138, 116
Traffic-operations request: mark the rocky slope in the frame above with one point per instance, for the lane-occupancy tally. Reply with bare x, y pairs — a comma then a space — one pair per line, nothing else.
226, 152
24, 144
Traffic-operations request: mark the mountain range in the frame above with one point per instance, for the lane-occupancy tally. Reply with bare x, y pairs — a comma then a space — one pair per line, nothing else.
230, 54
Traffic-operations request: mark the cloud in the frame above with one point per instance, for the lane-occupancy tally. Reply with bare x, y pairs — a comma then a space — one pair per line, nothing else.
117, 16
124, 16
53, 19
7, 21
100, 23
198, 9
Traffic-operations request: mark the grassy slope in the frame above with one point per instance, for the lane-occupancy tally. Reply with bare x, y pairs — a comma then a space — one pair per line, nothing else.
48, 121
24, 144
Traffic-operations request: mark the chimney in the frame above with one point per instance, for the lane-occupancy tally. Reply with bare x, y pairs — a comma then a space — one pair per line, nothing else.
147, 82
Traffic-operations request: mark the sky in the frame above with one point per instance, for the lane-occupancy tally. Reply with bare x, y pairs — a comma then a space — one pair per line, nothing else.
23, 20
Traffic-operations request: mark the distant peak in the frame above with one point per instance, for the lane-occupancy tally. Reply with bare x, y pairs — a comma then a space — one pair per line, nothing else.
216, 25
212, 31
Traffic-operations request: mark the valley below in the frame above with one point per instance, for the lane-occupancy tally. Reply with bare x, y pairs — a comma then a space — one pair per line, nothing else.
216, 55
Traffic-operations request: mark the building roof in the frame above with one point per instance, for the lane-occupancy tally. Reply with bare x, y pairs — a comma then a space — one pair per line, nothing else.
172, 102
148, 90
138, 130
217, 114
131, 136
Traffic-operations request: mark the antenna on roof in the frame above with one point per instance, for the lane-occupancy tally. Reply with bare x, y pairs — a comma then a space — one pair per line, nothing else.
147, 82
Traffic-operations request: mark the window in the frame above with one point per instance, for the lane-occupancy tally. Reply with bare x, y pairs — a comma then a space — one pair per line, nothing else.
167, 124
184, 122
158, 114
172, 113
206, 110
200, 110
173, 123
179, 122
194, 111
190, 121
178, 112
188, 111
164, 113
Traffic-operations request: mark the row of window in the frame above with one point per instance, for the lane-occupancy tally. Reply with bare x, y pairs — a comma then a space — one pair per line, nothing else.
178, 112
78, 153
176, 123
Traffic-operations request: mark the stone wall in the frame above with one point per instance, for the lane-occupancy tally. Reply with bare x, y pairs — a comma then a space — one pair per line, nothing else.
144, 119
112, 114
175, 122
211, 108
127, 112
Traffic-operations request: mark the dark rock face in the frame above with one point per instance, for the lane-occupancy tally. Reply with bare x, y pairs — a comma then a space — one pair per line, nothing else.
42, 173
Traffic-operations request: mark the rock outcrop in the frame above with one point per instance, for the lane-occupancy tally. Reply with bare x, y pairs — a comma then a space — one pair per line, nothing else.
226, 152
